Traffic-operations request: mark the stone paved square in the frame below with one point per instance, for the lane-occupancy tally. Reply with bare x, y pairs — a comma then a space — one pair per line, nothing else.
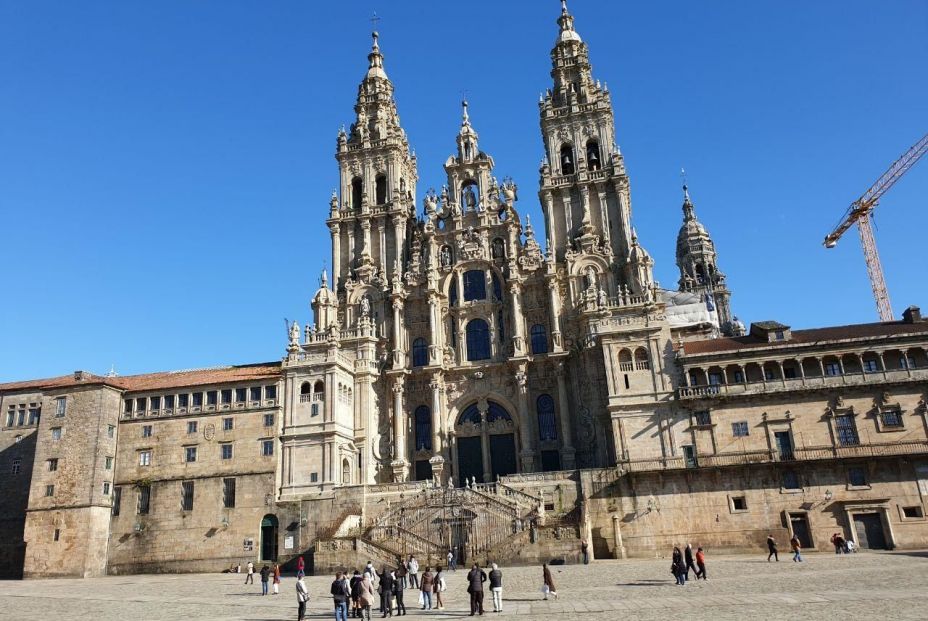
825, 586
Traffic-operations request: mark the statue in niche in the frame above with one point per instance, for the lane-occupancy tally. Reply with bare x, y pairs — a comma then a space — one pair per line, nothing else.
445, 256
469, 198
365, 306
590, 277
602, 297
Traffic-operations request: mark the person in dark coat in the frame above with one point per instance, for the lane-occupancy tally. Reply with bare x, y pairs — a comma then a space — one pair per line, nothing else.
496, 587
425, 587
475, 579
355, 586
772, 547
265, 574
398, 590
688, 557
678, 566
549, 587
387, 584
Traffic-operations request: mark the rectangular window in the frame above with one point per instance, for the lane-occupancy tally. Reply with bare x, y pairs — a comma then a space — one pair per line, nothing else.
267, 447
186, 501
314, 409
847, 430
228, 493
225, 451
313, 477
241, 395
49, 490
144, 458
857, 476
56, 433
109, 463
57, 535
211, 396
891, 418
197, 399
832, 369
22, 416
61, 406
191, 426
256, 393
144, 500
906, 362
871, 366
35, 413
53, 464
169, 402
270, 392
789, 373
117, 499
226, 396
106, 488
17, 465
182, 400
790, 480
715, 379
739, 376
475, 285
156, 403
739, 429
190, 454
912, 512
780, 335
269, 419
228, 424
111, 431
703, 418
10, 417
768, 374
146, 431
140, 404
739, 503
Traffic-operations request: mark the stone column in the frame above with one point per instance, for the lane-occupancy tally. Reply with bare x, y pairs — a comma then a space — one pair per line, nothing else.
550, 228
435, 386
567, 452
518, 327
399, 231
617, 534
399, 356
434, 330
336, 230
554, 309
604, 212
399, 432
351, 249
366, 240
526, 422
485, 443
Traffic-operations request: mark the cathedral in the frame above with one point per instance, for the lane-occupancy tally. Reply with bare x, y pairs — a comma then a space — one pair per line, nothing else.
470, 383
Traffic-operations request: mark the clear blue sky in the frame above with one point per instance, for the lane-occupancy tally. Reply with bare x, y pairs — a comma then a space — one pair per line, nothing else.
165, 167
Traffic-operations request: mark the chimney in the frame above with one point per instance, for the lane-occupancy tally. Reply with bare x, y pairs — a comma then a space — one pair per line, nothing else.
80, 376
912, 314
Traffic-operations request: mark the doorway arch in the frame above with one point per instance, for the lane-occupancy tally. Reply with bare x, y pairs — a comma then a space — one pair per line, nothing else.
269, 527
485, 435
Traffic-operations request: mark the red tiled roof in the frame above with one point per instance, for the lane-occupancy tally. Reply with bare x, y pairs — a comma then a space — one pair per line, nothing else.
807, 337
156, 381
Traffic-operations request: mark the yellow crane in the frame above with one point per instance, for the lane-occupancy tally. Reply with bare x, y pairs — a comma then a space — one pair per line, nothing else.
861, 213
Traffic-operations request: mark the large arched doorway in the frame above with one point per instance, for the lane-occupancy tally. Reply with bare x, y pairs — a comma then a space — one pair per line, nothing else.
269, 537
486, 442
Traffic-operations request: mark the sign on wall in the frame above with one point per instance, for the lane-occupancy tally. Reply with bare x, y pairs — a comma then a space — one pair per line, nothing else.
248, 545
288, 542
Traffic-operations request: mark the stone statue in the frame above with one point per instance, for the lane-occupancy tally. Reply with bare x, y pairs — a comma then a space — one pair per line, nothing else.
445, 256
590, 277
470, 199
431, 202
295, 334
365, 306
602, 297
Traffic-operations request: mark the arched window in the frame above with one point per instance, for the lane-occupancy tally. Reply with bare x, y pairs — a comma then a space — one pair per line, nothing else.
495, 411
306, 388
700, 273
420, 352
357, 190
475, 285
567, 160
319, 391
497, 288
346, 472
453, 293
539, 339
423, 418
547, 428
381, 189
641, 359
478, 340
625, 360
592, 155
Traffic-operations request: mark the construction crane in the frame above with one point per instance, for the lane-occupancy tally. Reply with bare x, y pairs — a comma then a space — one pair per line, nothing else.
861, 213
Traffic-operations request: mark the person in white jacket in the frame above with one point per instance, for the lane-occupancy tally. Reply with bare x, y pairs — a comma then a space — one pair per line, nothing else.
413, 567
302, 596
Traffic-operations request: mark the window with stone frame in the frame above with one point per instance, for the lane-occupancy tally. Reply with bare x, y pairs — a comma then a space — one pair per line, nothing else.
267, 448
832, 369
241, 395
255, 393
190, 454
145, 458
225, 396
117, 499
49, 490
871, 366
186, 500
61, 406
846, 430
141, 404
420, 352
739, 429
225, 450
211, 397
269, 419
146, 431
35, 414
547, 425
270, 391
539, 338
56, 433
52, 464
228, 493
168, 402
144, 500
16, 466
156, 403
791, 480
228, 424
703, 418
478, 340
182, 400
423, 427
198, 399
857, 476
890, 418
191, 426
475, 285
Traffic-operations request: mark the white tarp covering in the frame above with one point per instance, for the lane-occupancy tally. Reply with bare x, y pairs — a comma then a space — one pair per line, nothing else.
687, 309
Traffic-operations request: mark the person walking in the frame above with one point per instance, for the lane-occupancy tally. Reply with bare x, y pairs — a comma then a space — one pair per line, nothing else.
401, 572
387, 584
451, 560
678, 566
438, 587
366, 597
355, 587
250, 573
475, 579
425, 587
548, 588
302, 596
276, 579
701, 564
340, 594
496, 587
797, 549
398, 590
265, 574
300, 566
585, 551
413, 568
688, 557
370, 571
772, 547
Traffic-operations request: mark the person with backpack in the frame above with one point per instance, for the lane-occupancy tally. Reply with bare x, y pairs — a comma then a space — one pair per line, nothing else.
398, 590
340, 594
302, 596
475, 579
496, 588
401, 572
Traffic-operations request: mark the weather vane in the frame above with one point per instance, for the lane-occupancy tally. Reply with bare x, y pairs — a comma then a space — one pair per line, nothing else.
374, 20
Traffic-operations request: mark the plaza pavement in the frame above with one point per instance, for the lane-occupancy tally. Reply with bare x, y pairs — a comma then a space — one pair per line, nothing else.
867, 585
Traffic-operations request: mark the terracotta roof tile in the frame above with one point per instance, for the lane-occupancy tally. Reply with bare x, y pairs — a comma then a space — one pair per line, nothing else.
807, 337
156, 381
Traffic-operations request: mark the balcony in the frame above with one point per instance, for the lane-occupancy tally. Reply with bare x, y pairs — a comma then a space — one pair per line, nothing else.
804, 454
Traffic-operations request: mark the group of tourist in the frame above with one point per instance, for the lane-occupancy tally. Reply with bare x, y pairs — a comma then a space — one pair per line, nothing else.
267, 575
682, 562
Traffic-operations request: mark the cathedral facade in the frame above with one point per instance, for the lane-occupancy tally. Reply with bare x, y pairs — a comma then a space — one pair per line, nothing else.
469, 382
